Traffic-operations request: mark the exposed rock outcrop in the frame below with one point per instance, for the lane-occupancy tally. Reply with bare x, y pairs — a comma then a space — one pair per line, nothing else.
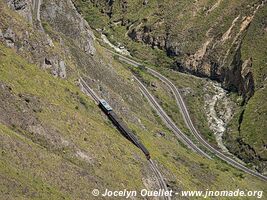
144, 35
210, 53
9, 37
1, 35
248, 86
145, 2
23, 7
41, 45
64, 18
238, 75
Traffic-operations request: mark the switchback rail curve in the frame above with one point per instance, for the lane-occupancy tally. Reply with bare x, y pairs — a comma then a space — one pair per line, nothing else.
188, 120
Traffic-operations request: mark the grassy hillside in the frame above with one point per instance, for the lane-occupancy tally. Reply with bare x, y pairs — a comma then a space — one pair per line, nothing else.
248, 126
54, 140
55, 143
58, 142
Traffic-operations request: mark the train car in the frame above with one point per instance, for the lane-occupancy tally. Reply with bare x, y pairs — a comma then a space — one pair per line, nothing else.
127, 133
145, 151
122, 127
104, 106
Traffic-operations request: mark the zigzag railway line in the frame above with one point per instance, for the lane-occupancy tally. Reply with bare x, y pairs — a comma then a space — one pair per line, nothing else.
185, 114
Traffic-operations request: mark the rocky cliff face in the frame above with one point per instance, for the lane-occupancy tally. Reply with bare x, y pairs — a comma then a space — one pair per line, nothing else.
50, 48
234, 72
23, 7
238, 77
206, 37
63, 17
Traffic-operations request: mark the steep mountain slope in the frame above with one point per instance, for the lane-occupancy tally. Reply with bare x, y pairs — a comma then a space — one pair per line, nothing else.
55, 142
200, 33
220, 39
249, 127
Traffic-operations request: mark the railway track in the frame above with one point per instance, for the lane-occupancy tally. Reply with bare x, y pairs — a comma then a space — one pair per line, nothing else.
160, 178
196, 133
168, 121
187, 119
88, 90
161, 182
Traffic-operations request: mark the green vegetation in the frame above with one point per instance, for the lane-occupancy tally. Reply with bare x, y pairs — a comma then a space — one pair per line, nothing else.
182, 24
193, 94
57, 151
104, 145
55, 143
96, 18
254, 115
252, 126
184, 27
117, 33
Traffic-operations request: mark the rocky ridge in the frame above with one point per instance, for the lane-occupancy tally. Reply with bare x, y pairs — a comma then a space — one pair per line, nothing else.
48, 50
216, 55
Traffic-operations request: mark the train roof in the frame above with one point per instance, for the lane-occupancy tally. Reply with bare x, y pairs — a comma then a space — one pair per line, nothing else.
105, 104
